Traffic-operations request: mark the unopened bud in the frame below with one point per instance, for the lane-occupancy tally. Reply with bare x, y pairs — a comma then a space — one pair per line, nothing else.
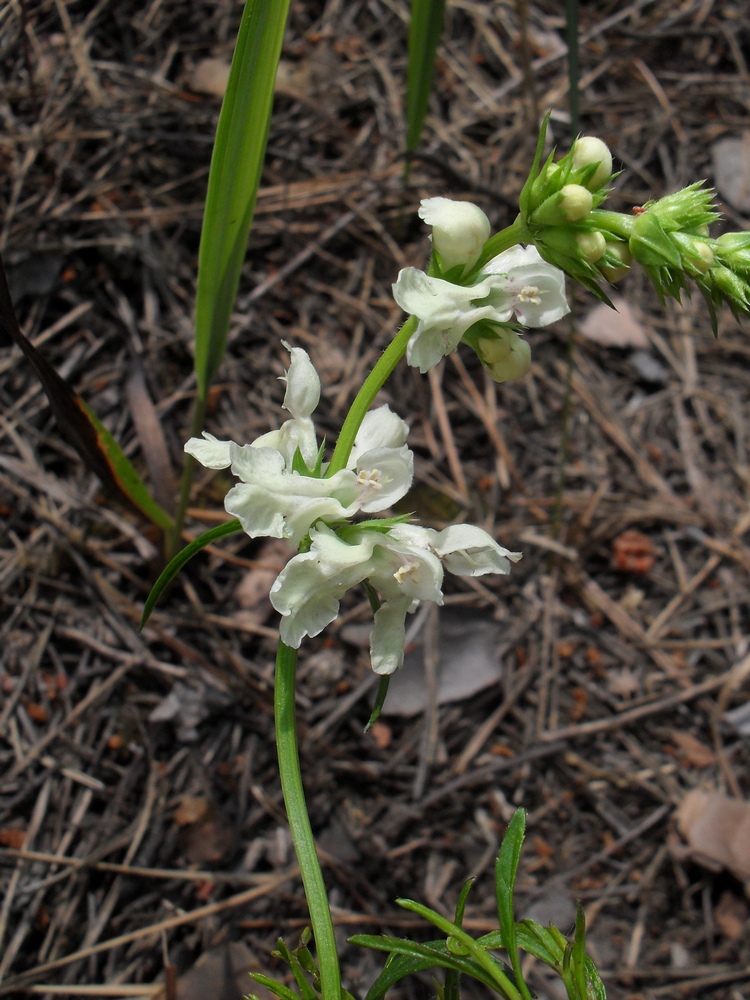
591, 246
505, 357
572, 203
459, 230
616, 262
587, 150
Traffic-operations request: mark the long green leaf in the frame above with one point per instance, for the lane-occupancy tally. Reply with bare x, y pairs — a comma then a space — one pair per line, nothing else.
79, 425
424, 36
408, 957
234, 178
184, 556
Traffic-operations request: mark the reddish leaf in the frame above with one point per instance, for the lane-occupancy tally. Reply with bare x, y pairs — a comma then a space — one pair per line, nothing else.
95, 445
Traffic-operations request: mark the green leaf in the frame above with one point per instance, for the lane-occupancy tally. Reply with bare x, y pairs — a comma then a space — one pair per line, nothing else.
127, 479
424, 36
502, 984
183, 557
278, 989
408, 957
97, 448
541, 942
377, 708
506, 869
234, 178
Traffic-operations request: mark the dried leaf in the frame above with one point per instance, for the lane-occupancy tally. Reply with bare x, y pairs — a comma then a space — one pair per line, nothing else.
731, 159
210, 76
633, 553
717, 830
693, 753
731, 914
616, 327
468, 664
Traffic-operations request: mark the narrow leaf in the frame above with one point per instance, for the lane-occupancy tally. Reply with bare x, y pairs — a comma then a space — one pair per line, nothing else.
424, 36
184, 556
234, 178
77, 423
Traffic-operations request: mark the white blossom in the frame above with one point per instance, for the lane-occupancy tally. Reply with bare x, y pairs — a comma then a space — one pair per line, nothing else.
459, 230
274, 498
404, 565
515, 284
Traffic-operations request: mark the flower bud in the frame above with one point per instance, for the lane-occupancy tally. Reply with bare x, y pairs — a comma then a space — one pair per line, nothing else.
572, 203
459, 230
591, 246
506, 357
587, 150
616, 261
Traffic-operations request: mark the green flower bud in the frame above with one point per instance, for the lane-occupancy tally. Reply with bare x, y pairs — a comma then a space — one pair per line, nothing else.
733, 251
506, 357
728, 287
587, 150
616, 261
697, 254
572, 203
685, 210
591, 246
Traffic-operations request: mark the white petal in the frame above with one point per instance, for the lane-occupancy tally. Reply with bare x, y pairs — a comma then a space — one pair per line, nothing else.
406, 565
445, 312
308, 590
459, 230
302, 384
271, 502
210, 452
537, 289
381, 428
467, 550
388, 636
385, 475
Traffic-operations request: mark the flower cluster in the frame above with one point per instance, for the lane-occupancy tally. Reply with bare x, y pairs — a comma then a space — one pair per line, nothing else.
484, 307
284, 492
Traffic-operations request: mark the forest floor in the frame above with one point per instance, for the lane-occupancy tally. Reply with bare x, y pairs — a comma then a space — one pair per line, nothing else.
141, 822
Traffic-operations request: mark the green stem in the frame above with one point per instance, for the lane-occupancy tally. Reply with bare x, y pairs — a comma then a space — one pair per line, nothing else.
299, 823
196, 426
364, 398
516, 233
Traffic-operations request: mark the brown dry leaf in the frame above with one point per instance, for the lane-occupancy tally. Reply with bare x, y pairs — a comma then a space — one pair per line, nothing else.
219, 974
616, 327
730, 914
717, 830
12, 836
192, 809
731, 158
210, 76
252, 593
693, 753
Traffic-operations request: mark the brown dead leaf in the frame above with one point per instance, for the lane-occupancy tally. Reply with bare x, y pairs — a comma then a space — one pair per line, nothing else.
616, 327
219, 974
693, 753
205, 836
210, 76
12, 836
731, 914
633, 553
717, 830
192, 809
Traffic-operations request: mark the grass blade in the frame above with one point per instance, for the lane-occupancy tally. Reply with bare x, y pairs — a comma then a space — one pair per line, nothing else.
424, 36
184, 556
234, 178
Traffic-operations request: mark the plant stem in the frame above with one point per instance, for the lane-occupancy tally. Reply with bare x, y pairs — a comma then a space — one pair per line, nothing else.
364, 398
299, 823
196, 426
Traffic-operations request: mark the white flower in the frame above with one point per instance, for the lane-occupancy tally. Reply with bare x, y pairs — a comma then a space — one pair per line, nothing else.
536, 288
404, 565
459, 230
275, 499
516, 283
